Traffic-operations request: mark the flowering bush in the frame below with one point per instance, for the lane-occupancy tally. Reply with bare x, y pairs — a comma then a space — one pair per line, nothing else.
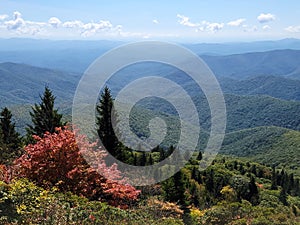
56, 160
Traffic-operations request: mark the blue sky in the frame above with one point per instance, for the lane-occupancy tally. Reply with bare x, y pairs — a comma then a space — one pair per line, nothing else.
191, 20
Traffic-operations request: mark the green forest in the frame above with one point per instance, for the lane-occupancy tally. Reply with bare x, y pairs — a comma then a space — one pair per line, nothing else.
44, 179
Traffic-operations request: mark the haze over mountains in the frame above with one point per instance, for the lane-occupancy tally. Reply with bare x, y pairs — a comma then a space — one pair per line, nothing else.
227, 59
260, 80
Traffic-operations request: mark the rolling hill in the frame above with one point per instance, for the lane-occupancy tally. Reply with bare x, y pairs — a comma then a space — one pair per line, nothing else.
234, 60
240, 66
277, 87
22, 84
269, 145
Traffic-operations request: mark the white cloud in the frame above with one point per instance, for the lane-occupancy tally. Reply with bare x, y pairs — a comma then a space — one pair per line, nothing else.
54, 22
16, 23
236, 23
73, 24
21, 26
293, 29
264, 18
3, 17
90, 29
185, 21
203, 26
213, 27
266, 27
155, 21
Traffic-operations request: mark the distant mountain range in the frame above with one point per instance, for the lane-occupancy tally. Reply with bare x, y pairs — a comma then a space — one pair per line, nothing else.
260, 81
235, 60
23, 84
258, 101
240, 66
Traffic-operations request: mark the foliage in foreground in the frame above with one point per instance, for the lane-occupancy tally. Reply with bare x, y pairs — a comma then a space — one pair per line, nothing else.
56, 160
22, 202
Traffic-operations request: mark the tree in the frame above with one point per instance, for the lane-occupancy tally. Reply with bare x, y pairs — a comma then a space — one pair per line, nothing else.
274, 179
175, 188
105, 124
44, 117
143, 159
253, 195
283, 197
199, 156
56, 160
10, 140
162, 154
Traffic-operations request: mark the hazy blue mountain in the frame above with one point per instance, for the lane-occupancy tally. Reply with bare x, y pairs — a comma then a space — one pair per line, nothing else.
239, 66
244, 47
225, 59
22, 84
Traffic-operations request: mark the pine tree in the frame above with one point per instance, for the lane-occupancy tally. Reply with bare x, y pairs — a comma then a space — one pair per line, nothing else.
253, 196
199, 156
150, 160
143, 159
274, 179
162, 154
283, 197
44, 117
105, 124
9, 135
174, 189
10, 140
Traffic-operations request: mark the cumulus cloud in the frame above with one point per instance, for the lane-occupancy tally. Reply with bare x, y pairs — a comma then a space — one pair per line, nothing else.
73, 24
21, 26
264, 18
203, 26
236, 23
16, 23
213, 27
54, 22
155, 21
90, 29
185, 21
3, 17
293, 29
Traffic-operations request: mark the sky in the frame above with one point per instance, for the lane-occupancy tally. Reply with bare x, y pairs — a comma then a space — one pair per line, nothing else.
190, 20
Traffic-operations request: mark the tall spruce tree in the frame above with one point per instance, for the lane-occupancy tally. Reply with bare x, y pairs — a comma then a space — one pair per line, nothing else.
10, 140
274, 179
105, 124
44, 117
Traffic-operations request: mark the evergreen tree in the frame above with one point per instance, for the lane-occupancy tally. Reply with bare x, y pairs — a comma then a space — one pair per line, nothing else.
253, 196
105, 124
143, 159
9, 135
135, 160
274, 179
199, 156
150, 160
209, 181
10, 141
44, 117
283, 197
162, 154
174, 189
